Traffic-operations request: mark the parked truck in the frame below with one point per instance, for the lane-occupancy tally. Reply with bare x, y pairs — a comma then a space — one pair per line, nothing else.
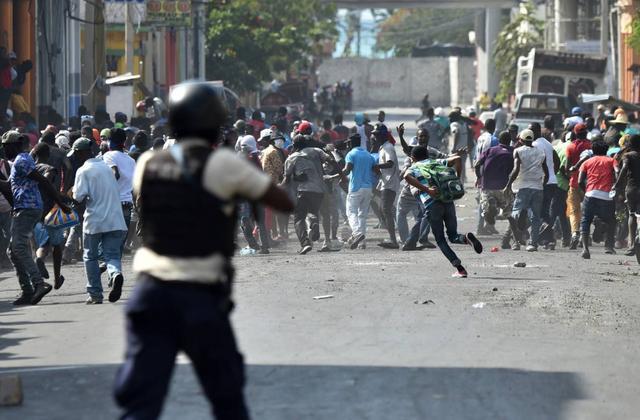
561, 73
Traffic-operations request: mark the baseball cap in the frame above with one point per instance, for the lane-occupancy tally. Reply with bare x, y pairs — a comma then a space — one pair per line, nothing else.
81, 144
12, 136
266, 133
579, 128
105, 133
62, 141
527, 135
305, 127
576, 110
49, 127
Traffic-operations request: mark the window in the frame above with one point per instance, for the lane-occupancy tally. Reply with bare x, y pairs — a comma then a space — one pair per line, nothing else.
551, 84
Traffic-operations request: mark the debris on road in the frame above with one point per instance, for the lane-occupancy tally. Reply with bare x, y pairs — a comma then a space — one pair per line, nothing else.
322, 297
247, 251
495, 289
495, 249
478, 305
10, 390
520, 264
425, 302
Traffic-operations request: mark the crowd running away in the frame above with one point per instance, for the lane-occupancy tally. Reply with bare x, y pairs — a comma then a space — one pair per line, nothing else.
69, 189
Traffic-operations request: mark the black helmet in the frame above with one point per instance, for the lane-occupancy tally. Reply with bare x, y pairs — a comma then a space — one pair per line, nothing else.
196, 111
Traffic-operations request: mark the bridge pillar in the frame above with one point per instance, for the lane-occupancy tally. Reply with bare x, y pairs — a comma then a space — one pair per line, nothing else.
488, 29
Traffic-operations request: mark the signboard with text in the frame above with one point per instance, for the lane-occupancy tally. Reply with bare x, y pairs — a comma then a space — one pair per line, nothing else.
169, 12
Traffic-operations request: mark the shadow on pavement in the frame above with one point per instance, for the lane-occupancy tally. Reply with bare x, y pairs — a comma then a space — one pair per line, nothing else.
277, 392
6, 309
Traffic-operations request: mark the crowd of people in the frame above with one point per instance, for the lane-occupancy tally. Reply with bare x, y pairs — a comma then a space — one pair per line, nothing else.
550, 183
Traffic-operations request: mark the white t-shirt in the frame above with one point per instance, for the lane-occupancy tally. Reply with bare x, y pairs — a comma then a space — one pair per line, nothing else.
96, 183
227, 176
531, 174
389, 177
484, 143
544, 145
126, 167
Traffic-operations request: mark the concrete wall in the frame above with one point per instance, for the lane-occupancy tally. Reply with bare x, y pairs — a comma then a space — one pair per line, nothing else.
402, 81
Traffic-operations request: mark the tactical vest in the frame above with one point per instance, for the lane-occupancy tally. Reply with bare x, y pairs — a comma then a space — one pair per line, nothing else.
179, 218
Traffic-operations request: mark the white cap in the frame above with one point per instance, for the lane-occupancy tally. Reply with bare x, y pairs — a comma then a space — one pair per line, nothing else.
439, 112
63, 142
526, 134
265, 133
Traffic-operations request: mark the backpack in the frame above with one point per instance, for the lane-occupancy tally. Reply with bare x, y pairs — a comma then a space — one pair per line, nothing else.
444, 178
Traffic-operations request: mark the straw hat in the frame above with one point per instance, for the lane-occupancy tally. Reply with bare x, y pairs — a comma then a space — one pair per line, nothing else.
621, 118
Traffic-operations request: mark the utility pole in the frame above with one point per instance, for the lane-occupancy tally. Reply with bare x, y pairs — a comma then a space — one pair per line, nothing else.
128, 38
604, 27
100, 53
358, 34
195, 39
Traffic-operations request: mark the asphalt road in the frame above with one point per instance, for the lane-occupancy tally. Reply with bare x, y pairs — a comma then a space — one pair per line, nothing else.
557, 339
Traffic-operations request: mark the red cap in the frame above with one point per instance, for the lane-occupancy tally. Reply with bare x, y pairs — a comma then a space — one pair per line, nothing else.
304, 127
580, 128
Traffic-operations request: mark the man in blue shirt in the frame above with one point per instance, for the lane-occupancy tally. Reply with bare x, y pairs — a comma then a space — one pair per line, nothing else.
360, 164
27, 211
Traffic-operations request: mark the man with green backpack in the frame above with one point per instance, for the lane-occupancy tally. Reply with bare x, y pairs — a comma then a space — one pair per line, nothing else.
437, 181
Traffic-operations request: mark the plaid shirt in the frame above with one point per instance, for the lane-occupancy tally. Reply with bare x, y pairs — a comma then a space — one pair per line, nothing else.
427, 200
26, 194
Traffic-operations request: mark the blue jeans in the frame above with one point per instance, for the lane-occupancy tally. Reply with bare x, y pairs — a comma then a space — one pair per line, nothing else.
24, 221
529, 199
443, 216
605, 210
110, 243
406, 206
420, 231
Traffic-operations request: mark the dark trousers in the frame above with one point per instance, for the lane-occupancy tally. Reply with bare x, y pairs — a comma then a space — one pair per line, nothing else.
389, 211
163, 318
443, 216
127, 208
330, 216
559, 213
251, 216
308, 205
605, 210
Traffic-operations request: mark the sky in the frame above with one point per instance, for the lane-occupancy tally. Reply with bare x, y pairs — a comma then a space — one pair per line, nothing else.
368, 34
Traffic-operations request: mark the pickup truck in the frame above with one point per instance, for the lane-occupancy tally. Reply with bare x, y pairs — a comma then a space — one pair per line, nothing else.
534, 107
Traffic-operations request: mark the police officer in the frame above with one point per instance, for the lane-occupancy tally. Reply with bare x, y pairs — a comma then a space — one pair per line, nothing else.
186, 197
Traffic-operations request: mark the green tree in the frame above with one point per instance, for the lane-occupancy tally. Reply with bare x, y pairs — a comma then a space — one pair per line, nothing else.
406, 28
634, 38
516, 39
248, 41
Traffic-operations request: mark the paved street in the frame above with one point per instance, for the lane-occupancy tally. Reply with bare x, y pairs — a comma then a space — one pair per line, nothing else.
554, 340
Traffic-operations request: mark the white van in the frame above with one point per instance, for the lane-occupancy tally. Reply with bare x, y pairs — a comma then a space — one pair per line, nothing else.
561, 73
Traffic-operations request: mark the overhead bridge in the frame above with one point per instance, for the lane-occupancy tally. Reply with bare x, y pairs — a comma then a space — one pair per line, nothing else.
396, 4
